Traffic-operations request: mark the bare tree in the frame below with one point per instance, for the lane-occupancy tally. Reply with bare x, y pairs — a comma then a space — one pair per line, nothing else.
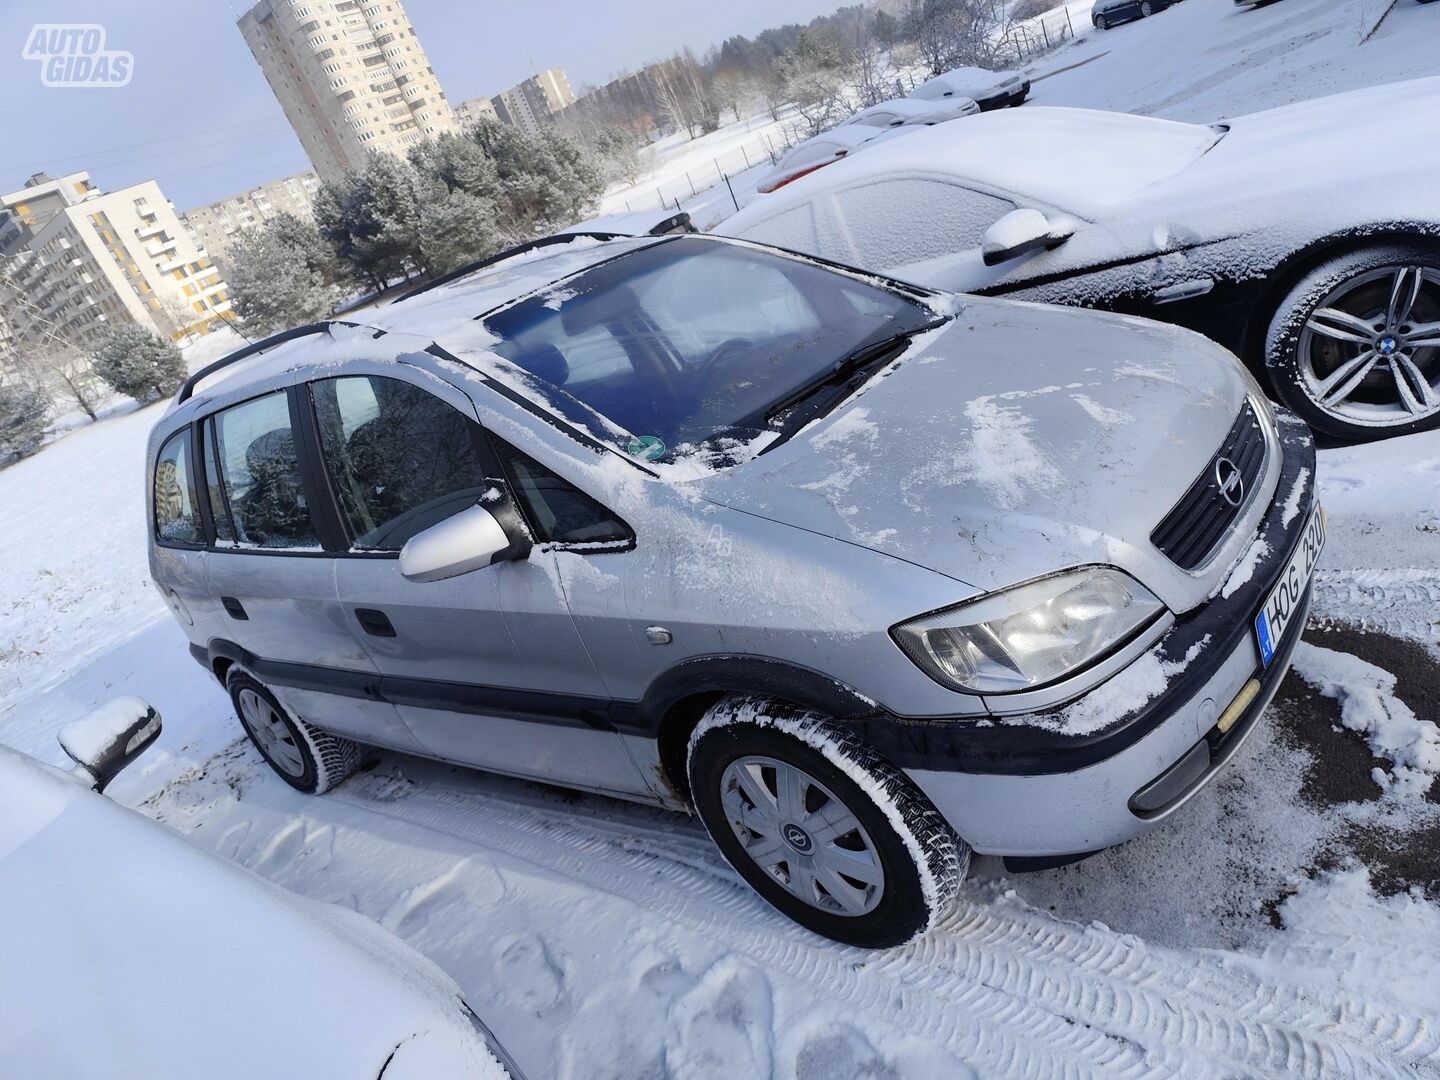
41, 354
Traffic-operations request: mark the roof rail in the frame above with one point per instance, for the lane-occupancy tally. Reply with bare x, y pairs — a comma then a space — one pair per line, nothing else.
508, 253
250, 350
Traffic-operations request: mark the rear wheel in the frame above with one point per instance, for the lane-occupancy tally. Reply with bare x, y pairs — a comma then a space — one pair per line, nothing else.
820, 825
1354, 348
1147, 9
306, 758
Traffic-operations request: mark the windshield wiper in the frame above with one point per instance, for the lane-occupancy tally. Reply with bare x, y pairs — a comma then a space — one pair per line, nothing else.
840, 380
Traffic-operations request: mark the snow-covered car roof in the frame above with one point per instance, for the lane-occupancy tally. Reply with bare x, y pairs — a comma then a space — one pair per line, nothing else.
129, 952
1077, 160
958, 80
908, 107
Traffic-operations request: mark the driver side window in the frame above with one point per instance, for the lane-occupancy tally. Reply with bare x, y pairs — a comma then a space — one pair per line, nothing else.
398, 459
897, 222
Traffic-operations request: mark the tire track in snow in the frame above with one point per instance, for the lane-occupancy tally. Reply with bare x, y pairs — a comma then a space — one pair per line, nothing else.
1400, 601
1013, 990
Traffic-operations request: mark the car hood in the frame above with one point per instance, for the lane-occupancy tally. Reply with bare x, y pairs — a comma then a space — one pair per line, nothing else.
1014, 441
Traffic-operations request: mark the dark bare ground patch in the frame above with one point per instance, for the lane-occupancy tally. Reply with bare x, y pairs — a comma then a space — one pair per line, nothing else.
1341, 766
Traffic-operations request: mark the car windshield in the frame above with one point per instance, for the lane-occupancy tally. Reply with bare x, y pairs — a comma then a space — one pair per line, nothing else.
692, 340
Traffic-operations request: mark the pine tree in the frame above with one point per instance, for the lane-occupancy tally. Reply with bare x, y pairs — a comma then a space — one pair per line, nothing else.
24, 412
283, 274
138, 364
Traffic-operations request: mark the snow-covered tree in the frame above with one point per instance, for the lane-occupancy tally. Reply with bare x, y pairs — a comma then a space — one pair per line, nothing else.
24, 414
283, 274
138, 364
456, 228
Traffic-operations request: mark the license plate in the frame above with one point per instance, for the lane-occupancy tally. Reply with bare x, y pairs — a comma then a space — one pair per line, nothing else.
1284, 599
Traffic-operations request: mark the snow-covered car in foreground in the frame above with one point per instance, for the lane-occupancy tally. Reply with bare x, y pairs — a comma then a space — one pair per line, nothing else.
988, 89
824, 149
867, 575
1322, 275
126, 951
902, 111
662, 222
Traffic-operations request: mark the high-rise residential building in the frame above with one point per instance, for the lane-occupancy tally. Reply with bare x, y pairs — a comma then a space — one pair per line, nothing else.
526, 105
351, 77
216, 225
480, 108
75, 260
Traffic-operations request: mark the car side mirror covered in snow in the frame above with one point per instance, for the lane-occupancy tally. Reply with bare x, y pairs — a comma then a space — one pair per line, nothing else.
1019, 233
110, 738
463, 542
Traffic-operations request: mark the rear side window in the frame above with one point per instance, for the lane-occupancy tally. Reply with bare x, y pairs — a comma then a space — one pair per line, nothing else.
177, 515
908, 220
399, 459
558, 511
260, 475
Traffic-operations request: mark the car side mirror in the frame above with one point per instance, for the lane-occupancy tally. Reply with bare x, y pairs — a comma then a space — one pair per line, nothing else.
1019, 233
469, 540
110, 738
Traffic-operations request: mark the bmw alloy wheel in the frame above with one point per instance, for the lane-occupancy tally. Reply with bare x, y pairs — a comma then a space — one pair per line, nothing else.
1369, 352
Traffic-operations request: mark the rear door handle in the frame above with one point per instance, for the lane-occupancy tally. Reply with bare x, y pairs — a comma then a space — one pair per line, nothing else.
375, 623
233, 608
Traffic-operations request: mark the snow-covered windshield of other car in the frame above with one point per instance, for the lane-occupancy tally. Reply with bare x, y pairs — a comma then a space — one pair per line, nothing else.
691, 340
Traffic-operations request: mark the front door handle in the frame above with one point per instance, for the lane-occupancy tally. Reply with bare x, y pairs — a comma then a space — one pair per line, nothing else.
375, 623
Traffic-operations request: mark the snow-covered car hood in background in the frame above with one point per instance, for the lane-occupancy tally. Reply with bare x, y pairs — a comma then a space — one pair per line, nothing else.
126, 952
1012, 442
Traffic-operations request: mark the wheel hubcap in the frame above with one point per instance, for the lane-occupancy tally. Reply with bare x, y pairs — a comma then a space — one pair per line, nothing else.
1369, 353
796, 830
270, 733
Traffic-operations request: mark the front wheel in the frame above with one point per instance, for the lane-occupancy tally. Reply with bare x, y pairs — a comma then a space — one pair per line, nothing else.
1354, 348
1101, 23
1147, 9
820, 825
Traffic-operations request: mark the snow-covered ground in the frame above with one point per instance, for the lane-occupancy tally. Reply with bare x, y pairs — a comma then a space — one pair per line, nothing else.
1283, 923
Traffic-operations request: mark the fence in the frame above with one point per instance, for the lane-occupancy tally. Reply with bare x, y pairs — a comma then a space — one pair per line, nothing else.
1041, 34
702, 174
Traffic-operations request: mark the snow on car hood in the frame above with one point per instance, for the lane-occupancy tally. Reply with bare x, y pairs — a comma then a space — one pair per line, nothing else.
127, 952
1015, 441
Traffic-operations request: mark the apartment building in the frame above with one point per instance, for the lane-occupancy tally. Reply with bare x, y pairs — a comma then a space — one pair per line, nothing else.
351, 76
526, 105
75, 260
216, 225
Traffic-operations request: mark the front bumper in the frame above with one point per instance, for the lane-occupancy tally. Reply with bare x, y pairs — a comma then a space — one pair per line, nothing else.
1025, 790
1013, 96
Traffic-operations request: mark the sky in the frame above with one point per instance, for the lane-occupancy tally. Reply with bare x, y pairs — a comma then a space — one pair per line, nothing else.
198, 116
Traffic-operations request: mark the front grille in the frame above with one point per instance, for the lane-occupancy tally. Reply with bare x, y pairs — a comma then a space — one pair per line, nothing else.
1193, 530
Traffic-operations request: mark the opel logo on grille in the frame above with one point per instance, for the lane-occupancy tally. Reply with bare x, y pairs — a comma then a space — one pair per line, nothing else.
1229, 481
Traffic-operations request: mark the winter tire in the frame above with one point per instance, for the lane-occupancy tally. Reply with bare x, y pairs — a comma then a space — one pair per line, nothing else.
1354, 349
820, 825
1146, 10
306, 758
1101, 23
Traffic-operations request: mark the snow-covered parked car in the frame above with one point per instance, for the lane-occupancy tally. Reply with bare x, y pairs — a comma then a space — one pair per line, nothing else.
902, 111
988, 89
660, 222
824, 149
126, 951
1322, 276
866, 574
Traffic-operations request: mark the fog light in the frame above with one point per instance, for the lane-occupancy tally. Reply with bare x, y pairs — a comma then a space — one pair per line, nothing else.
1236, 708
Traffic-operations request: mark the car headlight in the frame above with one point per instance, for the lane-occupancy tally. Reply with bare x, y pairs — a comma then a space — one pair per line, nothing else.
1030, 635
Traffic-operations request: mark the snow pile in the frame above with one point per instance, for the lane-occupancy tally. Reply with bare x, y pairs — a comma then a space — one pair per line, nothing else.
1338, 935
1368, 705
1245, 568
1134, 687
